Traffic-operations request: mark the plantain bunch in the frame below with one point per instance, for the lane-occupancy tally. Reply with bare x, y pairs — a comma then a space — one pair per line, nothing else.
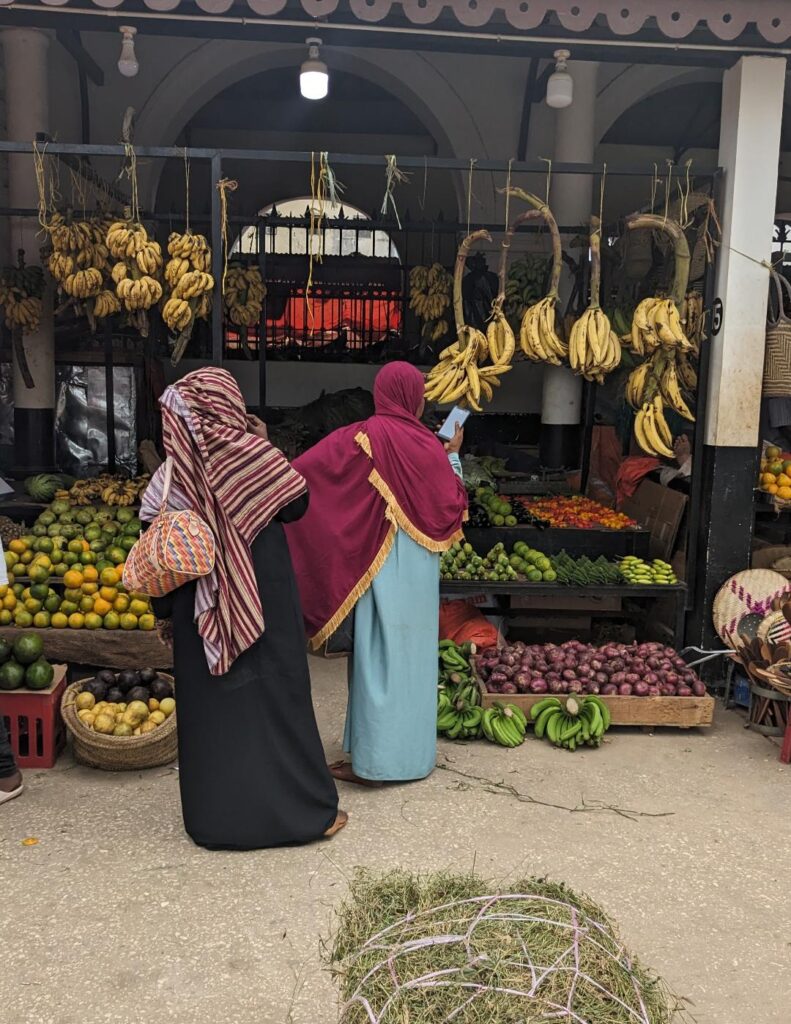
79, 259
138, 265
21, 288
243, 295
430, 290
188, 281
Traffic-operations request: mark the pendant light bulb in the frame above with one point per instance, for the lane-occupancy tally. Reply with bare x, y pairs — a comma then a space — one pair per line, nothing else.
560, 86
314, 78
127, 62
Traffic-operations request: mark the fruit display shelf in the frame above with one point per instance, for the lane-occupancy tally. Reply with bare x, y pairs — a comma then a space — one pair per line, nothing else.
554, 539
648, 712
101, 648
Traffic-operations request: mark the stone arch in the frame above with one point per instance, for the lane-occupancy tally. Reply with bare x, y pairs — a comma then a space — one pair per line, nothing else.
214, 66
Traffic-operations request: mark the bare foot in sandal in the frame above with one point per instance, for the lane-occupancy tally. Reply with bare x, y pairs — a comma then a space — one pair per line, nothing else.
343, 771
341, 821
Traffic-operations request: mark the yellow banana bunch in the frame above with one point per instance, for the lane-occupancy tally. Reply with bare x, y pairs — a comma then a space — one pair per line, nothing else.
126, 239
651, 429
500, 338
693, 316
106, 304
175, 268
60, 265
430, 291
670, 389
83, 284
21, 288
189, 247
636, 384
141, 293
687, 373
24, 312
149, 259
594, 347
177, 314
193, 284
538, 336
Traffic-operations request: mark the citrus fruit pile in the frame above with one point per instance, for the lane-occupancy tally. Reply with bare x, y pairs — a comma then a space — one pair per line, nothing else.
131, 703
85, 550
24, 664
775, 474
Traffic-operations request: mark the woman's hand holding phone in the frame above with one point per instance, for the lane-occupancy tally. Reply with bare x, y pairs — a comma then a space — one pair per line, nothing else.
455, 443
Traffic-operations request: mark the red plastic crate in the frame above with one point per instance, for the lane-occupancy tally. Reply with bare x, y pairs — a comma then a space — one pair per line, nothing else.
32, 718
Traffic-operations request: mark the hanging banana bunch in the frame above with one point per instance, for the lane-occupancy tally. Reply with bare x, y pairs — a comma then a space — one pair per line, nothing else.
430, 290
137, 268
188, 282
538, 334
459, 376
693, 317
658, 332
499, 334
243, 294
79, 263
594, 347
21, 288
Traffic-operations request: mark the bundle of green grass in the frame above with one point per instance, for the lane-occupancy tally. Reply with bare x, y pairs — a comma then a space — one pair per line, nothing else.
445, 947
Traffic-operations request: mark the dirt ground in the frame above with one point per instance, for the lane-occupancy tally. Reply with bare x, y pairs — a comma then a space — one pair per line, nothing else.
114, 916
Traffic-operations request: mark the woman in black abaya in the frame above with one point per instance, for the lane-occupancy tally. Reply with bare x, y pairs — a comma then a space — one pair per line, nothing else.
252, 769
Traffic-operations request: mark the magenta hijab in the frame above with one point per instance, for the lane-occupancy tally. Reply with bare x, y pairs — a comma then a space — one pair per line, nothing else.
366, 481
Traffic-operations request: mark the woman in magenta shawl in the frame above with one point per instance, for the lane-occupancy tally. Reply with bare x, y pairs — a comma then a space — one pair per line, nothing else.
385, 500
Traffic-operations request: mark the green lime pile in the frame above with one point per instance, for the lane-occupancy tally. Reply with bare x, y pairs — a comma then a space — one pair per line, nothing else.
461, 562
637, 570
24, 664
532, 564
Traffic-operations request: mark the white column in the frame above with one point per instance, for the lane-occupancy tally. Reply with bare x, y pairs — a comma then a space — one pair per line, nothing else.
752, 114
570, 199
27, 112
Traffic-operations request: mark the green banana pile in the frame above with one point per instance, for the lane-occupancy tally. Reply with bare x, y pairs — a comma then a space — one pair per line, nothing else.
580, 721
458, 700
505, 724
525, 284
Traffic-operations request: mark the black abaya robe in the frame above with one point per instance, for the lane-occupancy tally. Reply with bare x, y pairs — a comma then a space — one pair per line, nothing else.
252, 769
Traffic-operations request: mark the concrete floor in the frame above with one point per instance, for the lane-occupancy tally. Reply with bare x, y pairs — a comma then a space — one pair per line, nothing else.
115, 916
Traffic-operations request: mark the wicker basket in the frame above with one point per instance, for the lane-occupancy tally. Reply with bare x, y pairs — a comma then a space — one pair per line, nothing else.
118, 753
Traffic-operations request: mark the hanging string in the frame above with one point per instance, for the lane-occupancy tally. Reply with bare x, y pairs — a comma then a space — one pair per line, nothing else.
187, 191
422, 201
41, 182
601, 200
683, 194
393, 177
78, 191
654, 188
469, 193
668, 188
548, 162
507, 200
224, 186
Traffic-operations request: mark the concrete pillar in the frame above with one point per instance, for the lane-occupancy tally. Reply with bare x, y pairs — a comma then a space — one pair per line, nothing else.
571, 202
752, 112
27, 112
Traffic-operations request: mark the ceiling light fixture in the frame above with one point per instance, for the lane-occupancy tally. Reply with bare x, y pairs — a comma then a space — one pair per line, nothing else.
560, 86
314, 78
127, 62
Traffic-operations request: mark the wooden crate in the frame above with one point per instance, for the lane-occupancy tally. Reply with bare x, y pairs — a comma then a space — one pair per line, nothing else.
101, 648
681, 712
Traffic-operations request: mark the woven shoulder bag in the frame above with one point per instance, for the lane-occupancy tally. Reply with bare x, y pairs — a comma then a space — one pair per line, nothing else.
176, 548
777, 364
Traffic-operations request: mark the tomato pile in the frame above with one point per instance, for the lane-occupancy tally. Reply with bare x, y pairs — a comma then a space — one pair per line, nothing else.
577, 513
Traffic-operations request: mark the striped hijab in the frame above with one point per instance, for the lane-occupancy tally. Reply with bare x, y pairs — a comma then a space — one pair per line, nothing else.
238, 483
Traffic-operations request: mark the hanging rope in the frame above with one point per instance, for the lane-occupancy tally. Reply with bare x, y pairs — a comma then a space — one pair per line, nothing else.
324, 188
654, 188
224, 186
668, 188
422, 201
548, 162
601, 200
393, 177
469, 193
683, 194
41, 183
187, 191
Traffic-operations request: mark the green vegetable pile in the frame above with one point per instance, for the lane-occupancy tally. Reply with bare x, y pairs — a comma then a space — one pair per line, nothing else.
583, 572
461, 562
532, 564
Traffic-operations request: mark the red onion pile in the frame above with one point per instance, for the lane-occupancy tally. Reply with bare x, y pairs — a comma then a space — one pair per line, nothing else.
630, 670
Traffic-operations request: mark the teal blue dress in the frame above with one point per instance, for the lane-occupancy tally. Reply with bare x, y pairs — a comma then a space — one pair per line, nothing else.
391, 718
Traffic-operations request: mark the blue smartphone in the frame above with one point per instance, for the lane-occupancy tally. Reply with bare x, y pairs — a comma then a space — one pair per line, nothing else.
455, 416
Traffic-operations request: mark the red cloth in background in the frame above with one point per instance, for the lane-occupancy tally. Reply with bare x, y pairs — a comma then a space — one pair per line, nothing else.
632, 470
462, 622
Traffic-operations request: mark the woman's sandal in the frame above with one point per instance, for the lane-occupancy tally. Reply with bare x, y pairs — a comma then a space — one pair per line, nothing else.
341, 821
344, 772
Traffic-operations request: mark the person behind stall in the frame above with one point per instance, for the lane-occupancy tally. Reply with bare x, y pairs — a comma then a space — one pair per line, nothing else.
252, 770
386, 499
10, 776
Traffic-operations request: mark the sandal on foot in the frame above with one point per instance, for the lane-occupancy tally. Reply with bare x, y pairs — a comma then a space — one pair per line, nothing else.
5, 797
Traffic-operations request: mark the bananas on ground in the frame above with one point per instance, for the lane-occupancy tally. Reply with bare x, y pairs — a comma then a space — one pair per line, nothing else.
243, 294
580, 722
21, 288
458, 700
430, 297
504, 724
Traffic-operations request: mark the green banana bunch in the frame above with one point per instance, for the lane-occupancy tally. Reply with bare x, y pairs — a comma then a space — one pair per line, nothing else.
504, 724
577, 723
459, 715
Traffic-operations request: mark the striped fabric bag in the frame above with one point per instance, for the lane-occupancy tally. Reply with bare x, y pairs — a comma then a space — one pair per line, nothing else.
177, 547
